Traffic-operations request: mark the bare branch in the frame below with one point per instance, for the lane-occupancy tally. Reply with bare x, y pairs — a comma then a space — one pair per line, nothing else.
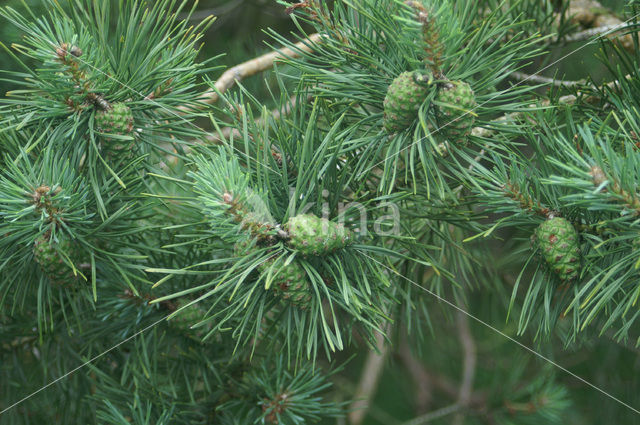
595, 32
539, 79
255, 66
436, 414
469, 364
421, 378
569, 99
371, 372
590, 14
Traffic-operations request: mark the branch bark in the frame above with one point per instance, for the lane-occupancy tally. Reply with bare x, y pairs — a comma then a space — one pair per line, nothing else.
596, 32
539, 79
256, 65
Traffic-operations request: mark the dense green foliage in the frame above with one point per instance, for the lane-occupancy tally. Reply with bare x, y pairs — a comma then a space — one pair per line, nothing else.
398, 186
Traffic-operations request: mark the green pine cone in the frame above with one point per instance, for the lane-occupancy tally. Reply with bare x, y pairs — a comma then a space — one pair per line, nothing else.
290, 282
403, 99
52, 263
557, 240
312, 235
455, 104
117, 120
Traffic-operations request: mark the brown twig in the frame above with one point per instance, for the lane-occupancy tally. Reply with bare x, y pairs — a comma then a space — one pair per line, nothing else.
255, 66
436, 414
609, 30
539, 79
474, 400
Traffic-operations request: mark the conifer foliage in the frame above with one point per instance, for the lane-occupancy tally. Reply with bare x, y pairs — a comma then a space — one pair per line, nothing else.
173, 251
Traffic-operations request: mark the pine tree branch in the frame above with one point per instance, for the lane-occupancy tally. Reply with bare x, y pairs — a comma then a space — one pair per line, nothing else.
525, 201
441, 383
266, 61
584, 14
590, 14
255, 66
539, 79
587, 34
569, 99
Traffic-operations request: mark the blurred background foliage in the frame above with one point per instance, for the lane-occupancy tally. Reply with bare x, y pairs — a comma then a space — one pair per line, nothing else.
239, 35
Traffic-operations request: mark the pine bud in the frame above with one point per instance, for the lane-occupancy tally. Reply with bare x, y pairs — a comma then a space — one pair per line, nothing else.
274, 408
